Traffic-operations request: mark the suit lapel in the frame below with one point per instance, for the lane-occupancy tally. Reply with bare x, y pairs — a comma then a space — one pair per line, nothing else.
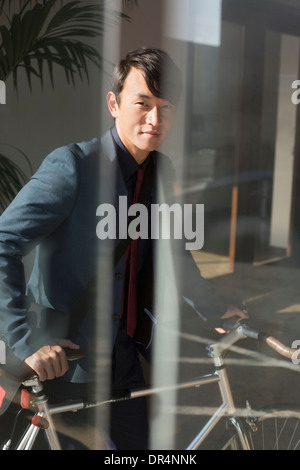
112, 180
112, 169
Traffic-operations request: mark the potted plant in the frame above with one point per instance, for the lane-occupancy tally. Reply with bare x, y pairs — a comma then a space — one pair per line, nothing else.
38, 34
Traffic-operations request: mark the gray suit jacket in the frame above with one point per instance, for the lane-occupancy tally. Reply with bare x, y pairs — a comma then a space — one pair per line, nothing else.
55, 213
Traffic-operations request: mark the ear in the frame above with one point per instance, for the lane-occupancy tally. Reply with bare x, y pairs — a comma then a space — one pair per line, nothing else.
112, 104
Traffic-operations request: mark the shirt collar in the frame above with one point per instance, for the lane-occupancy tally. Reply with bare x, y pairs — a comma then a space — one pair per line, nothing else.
127, 163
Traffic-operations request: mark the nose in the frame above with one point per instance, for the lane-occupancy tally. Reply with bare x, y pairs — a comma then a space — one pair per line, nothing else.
153, 117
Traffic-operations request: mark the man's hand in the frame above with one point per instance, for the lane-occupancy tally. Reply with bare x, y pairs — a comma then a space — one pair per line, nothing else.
232, 312
50, 361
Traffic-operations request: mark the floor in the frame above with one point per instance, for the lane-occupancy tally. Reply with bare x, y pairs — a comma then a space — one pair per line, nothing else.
272, 294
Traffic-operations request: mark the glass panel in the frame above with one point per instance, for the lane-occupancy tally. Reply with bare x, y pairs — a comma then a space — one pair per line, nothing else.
211, 141
277, 147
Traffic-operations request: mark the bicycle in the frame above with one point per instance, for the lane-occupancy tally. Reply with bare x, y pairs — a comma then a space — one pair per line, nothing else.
247, 429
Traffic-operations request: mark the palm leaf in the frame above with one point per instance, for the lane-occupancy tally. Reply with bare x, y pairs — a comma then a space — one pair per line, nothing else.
12, 178
52, 33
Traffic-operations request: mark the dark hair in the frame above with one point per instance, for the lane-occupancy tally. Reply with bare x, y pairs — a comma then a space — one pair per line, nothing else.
161, 74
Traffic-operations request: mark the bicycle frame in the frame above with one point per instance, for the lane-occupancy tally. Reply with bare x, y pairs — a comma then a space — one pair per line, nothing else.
43, 418
216, 352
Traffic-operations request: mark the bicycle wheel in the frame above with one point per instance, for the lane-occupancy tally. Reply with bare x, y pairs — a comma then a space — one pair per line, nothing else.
273, 429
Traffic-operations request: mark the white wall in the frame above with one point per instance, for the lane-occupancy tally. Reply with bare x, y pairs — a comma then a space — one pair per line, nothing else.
39, 122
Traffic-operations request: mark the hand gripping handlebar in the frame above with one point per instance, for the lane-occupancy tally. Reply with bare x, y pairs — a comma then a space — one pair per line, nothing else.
19, 371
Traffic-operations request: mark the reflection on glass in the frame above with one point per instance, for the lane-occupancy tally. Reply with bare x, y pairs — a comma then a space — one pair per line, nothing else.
215, 75
277, 147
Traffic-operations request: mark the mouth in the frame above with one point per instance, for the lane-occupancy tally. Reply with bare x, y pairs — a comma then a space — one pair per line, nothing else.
152, 133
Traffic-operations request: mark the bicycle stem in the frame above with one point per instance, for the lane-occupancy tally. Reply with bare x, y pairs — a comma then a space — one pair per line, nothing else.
215, 351
41, 403
242, 331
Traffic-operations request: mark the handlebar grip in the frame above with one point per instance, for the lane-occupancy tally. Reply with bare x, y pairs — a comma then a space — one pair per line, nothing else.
16, 370
73, 354
19, 371
279, 347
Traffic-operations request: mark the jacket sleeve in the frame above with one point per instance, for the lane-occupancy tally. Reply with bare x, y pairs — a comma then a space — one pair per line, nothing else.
39, 208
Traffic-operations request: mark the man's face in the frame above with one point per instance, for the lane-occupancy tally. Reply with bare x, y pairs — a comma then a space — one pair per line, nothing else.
143, 121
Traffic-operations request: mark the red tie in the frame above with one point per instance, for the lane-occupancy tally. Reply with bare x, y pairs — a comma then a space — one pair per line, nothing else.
132, 258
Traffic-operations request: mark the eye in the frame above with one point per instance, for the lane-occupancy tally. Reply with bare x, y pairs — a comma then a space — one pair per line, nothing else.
168, 107
142, 104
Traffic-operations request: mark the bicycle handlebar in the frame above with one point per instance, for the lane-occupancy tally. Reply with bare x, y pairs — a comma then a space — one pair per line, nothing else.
19, 371
239, 331
279, 347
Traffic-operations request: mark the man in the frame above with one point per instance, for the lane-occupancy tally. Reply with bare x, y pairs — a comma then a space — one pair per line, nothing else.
56, 212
